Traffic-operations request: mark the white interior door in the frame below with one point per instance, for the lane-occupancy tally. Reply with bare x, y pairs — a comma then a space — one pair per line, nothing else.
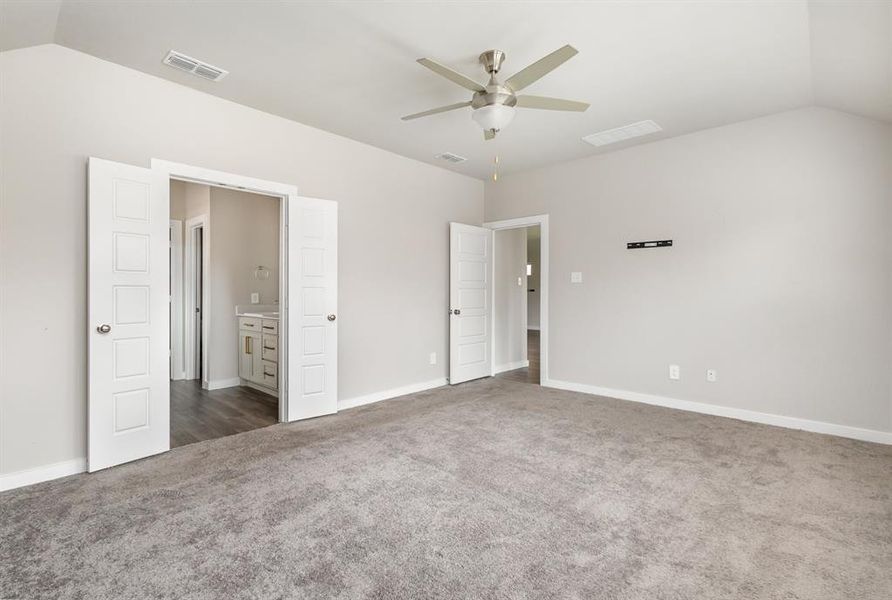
312, 383
127, 326
470, 299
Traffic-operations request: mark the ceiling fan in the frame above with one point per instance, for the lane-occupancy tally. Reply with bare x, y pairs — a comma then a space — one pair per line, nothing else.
494, 103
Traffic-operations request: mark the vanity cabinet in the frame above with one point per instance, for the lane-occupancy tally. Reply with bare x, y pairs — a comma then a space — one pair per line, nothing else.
259, 352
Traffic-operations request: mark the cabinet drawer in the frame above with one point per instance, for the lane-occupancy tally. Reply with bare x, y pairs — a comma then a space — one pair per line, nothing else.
249, 323
270, 348
270, 326
270, 374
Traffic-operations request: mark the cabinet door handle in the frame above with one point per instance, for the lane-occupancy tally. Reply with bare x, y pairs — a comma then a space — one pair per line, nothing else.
248, 345
268, 327
268, 348
268, 374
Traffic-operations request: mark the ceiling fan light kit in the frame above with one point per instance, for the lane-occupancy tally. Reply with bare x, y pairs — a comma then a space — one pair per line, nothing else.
493, 104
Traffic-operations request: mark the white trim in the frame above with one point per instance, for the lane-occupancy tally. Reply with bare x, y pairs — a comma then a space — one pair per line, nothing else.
391, 393
219, 384
524, 222
177, 370
532, 328
520, 364
65, 468
846, 431
191, 372
163, 171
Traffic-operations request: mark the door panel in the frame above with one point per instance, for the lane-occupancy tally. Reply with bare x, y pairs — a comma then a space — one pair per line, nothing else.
470, 298
128, 278
312, 366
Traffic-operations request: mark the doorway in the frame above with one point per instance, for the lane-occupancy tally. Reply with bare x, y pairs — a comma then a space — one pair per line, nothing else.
520, 299
516, 305
129, 305
230, 336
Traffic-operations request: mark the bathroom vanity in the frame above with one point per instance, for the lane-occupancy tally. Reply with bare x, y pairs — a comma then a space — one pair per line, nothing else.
258, 334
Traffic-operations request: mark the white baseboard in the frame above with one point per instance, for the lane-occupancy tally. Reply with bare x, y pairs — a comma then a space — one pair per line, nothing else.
219, 384
391, 393
18, 479
510, 366
856, 433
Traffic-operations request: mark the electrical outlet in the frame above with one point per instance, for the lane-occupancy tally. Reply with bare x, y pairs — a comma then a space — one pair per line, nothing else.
711, 375
433, 358
674, 372
255, 298
576, 277
520, 282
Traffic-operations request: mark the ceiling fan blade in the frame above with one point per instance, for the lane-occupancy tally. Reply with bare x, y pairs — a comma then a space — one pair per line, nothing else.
545, 103
453, 76
489, 134
434, 111
541, 68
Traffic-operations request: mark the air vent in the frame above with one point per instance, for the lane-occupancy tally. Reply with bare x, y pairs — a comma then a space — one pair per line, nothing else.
196, 67
620, 134
450, 157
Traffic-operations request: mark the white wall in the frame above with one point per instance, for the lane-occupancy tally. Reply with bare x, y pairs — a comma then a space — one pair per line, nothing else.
780, 277
533, 281
244, 234
58, 107
509, 299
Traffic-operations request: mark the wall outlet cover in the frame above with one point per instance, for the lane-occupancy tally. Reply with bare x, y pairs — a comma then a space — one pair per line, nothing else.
711, 375
433, 358
674, 372
255, 298
576, 277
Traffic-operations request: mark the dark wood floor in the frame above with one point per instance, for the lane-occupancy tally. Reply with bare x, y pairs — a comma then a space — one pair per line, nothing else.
197, 414
527, 374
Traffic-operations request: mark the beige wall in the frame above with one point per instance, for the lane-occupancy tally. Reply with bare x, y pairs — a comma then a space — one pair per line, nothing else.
58, 107
509, 299
244, 234
780, 277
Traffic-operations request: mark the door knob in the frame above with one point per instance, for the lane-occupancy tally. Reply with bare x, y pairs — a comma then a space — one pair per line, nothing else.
331, 317
456, 311
103, 328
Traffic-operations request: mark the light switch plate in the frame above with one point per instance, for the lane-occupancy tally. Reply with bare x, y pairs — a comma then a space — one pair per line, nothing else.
255, 298
576, 277
674, 372
433, 358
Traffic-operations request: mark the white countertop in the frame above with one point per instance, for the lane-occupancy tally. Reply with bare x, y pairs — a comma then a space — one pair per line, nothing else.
262, 315
262, 311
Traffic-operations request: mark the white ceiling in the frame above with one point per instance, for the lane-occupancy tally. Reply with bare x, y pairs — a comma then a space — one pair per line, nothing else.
350, 67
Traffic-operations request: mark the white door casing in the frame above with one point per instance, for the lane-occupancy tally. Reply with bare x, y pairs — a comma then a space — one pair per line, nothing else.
312, 365
128, 278
470, 299
177, 370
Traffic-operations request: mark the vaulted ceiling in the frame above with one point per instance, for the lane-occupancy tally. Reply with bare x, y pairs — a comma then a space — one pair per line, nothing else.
350, 67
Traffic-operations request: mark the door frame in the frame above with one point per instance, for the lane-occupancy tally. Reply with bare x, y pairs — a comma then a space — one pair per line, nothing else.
163, 171
523, 223
177, 368
193, 224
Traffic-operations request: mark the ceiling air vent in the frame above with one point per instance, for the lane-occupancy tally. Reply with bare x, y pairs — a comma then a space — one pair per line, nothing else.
196, 67
450, 157
620, 134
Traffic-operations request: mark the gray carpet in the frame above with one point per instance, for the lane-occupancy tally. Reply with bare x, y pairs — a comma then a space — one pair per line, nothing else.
492, 489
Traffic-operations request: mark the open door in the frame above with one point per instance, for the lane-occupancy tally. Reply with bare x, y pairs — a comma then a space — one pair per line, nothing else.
312, 361
127, 324
470, 298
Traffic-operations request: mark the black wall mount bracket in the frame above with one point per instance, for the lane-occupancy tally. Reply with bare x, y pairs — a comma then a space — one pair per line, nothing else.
651, 244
